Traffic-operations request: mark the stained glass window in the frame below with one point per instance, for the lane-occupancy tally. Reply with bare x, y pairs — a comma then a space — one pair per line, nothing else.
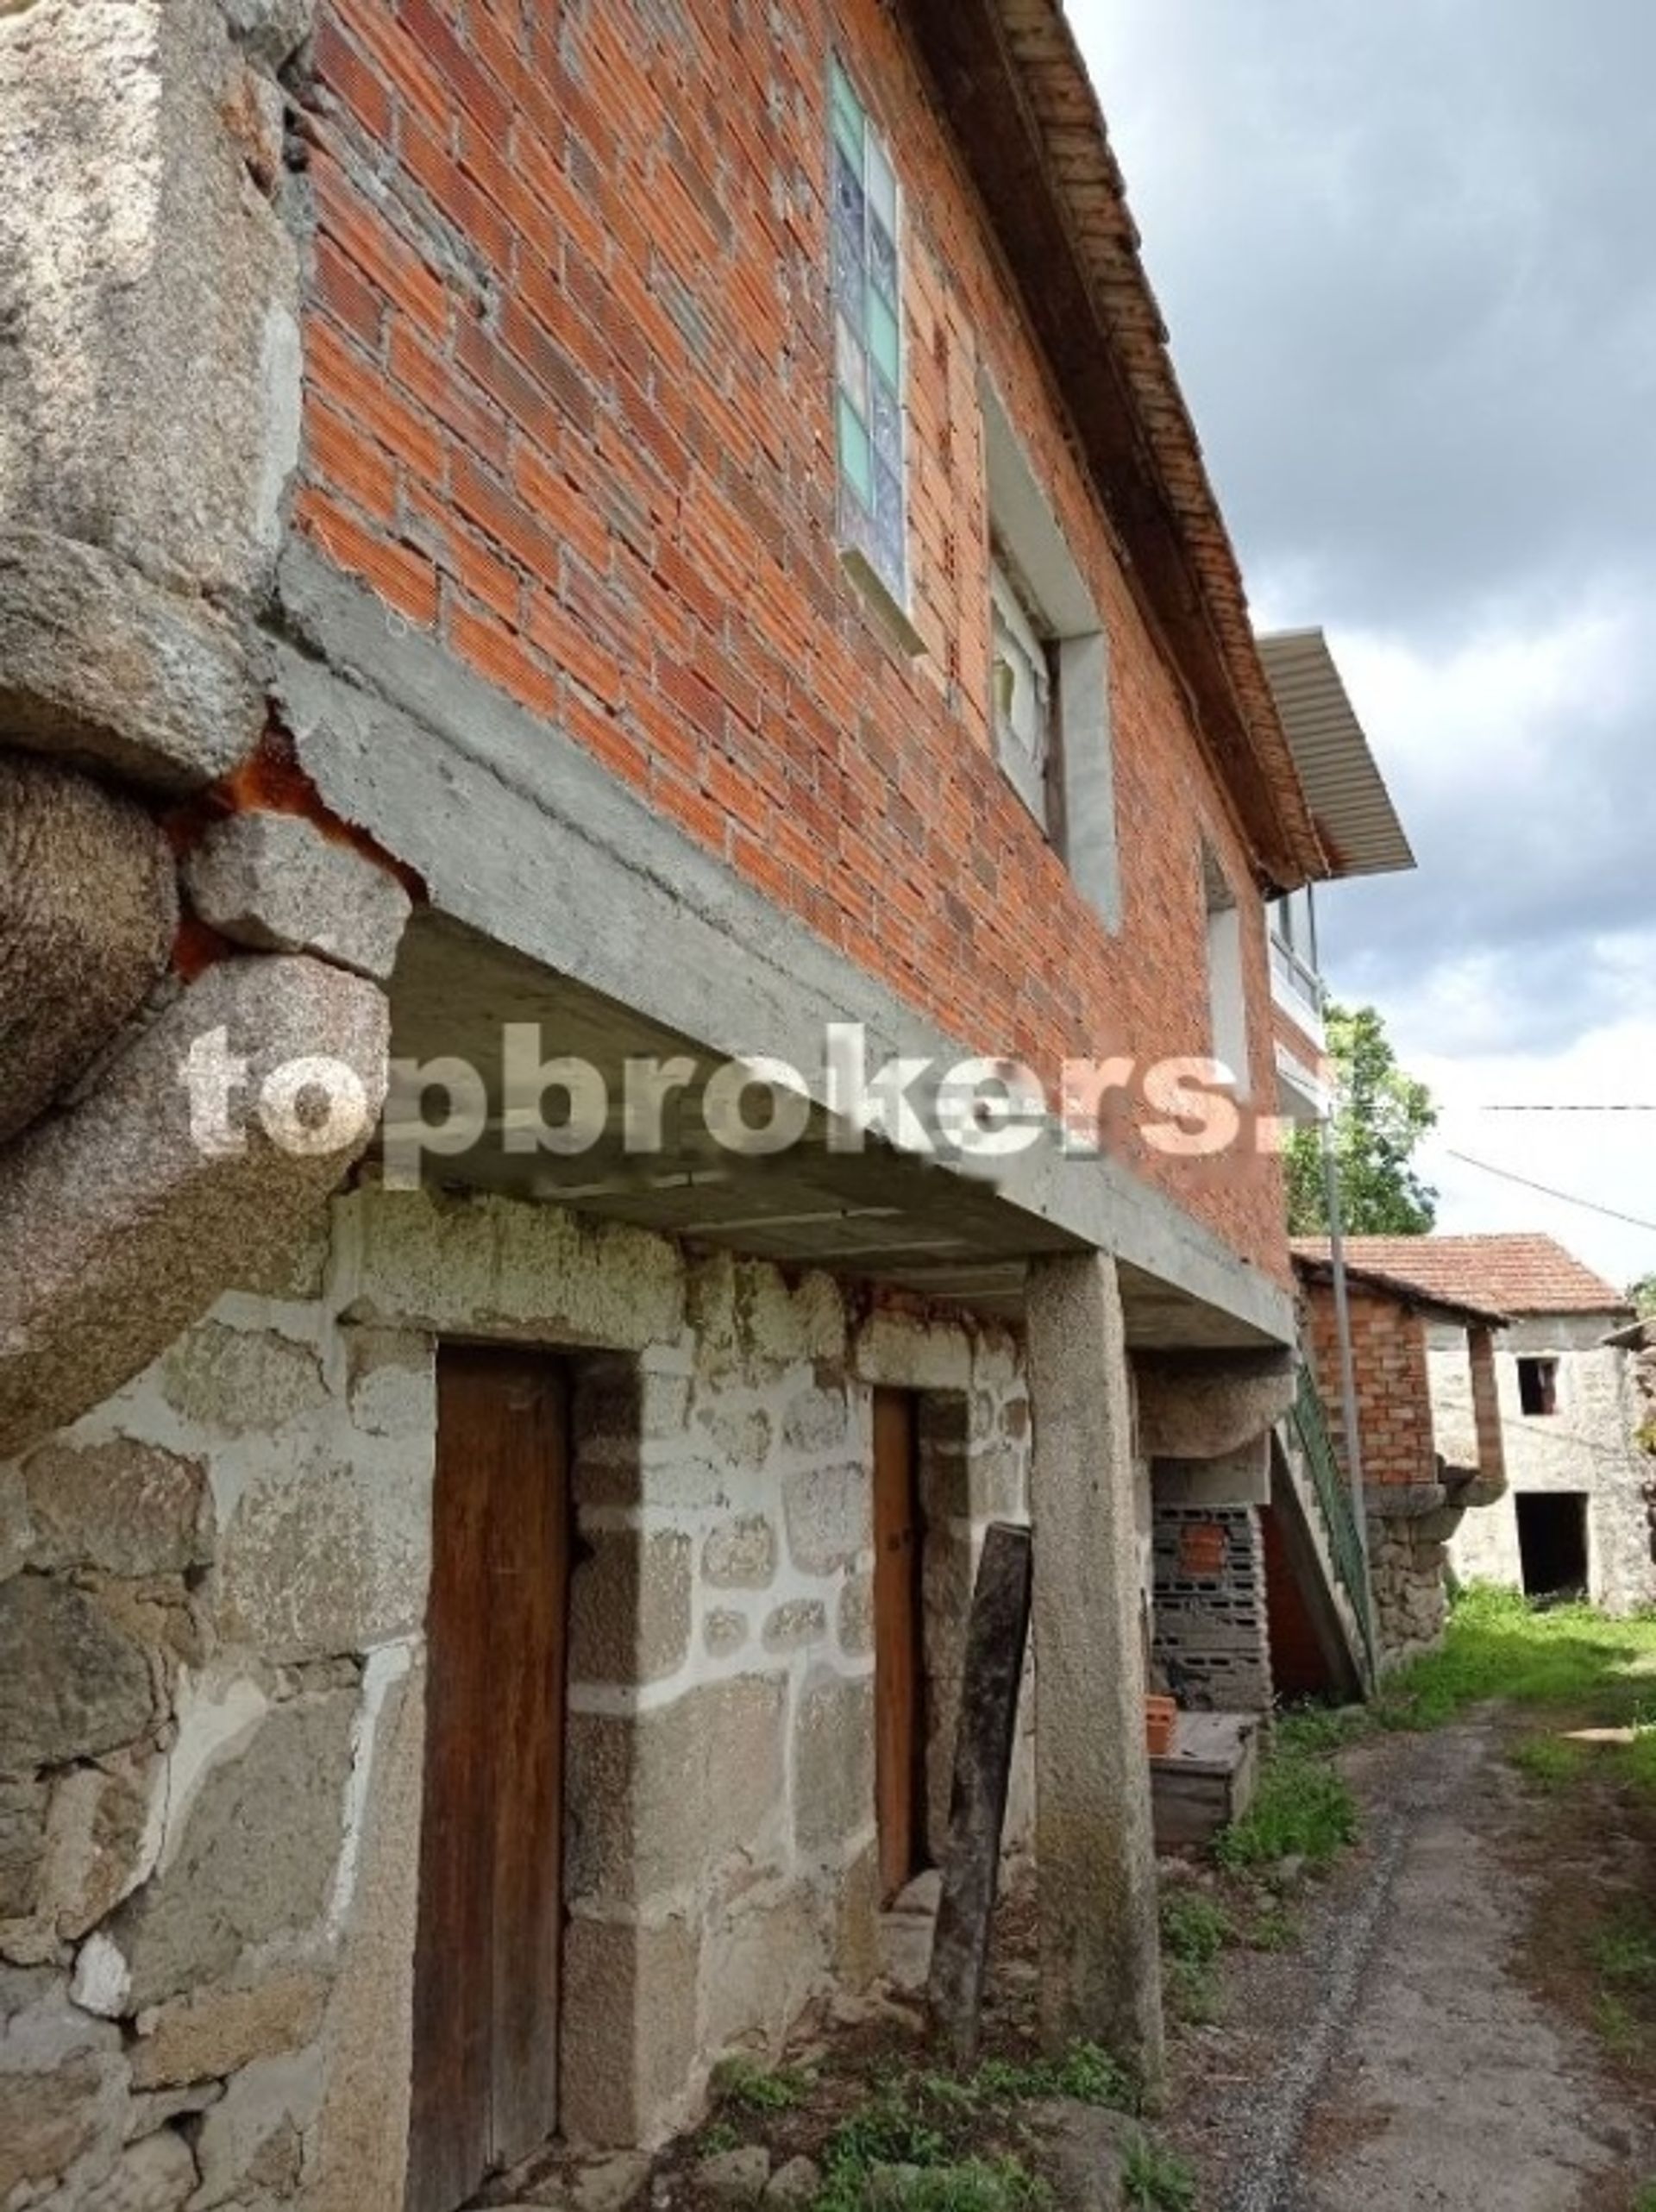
868, 343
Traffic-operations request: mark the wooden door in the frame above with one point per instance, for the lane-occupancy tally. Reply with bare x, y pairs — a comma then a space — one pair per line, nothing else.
899, 1660
491, 1917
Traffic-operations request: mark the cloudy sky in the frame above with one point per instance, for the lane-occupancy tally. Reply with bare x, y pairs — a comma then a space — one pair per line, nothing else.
1407, 250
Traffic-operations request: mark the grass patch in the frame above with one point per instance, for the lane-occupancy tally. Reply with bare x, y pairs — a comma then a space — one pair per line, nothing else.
1499, 1645
935, 2141
1552, 1763
1196, 1929
740, 2086
1154, 2179
1303, 1809
1273, 1929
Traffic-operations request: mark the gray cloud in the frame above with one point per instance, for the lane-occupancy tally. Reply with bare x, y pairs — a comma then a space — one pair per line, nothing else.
1407, 255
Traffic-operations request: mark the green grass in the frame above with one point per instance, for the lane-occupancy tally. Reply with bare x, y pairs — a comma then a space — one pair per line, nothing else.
925, 2122
1302, 1809
1155, 2180
1552, 1763
1194, 1926
740, 2086
1647, 2198
1501, 1646
1196, 1929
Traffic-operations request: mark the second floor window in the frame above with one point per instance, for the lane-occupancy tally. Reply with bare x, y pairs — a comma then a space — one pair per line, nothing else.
1022, 694
867, 345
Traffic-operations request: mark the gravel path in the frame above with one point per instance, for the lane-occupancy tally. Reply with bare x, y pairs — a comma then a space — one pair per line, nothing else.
1396, 2062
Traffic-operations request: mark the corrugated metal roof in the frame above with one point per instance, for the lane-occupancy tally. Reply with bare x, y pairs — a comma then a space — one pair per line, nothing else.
1350, 803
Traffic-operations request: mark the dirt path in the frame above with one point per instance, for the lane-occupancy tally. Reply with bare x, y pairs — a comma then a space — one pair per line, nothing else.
1403, 2059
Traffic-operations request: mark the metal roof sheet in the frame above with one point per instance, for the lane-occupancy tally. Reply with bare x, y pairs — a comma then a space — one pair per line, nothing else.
1350, 803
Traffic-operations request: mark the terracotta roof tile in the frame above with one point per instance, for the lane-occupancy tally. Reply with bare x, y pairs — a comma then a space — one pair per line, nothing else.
1516, 1274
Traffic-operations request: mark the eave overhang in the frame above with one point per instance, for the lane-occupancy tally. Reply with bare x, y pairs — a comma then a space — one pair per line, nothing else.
1027, 122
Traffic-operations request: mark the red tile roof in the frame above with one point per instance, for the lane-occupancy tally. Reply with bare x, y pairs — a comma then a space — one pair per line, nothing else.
1515, 1274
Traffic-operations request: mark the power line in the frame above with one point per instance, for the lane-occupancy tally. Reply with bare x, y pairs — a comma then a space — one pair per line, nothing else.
1566, 1198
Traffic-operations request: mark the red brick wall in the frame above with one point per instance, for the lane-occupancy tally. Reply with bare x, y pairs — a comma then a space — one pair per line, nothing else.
1394, 1387
1299, 1668
569, 383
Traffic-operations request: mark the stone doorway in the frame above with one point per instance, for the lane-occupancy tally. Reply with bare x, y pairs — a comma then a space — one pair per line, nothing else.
1552, 1542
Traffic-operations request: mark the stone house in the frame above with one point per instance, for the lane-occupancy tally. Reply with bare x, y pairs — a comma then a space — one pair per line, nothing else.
1576, 1516
563, 569
1422, 1472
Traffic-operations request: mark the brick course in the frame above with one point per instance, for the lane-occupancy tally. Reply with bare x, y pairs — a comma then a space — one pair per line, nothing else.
569, 361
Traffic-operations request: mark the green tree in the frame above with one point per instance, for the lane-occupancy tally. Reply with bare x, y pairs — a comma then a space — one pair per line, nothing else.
1381, 1114
1642, 1295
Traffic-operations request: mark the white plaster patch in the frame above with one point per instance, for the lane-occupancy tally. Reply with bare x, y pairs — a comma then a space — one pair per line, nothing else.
386, 1664
216, 1719
280, 380
102, 1978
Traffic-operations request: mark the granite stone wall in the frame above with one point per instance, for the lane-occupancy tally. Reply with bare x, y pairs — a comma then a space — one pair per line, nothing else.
212, 1594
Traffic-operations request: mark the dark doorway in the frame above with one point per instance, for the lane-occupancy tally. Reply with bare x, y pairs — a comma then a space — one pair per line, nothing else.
491, 1913
1552, 1542
899, 1643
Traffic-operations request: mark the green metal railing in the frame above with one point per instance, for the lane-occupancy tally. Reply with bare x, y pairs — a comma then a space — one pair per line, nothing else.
1334, 1497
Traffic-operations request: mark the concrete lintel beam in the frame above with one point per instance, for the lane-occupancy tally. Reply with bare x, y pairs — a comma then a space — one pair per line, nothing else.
120, 1226
1100, 1960
489, 804
1205, 1406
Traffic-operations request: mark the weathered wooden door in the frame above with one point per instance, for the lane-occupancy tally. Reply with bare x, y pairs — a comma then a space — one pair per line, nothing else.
485, 1970
899, 1663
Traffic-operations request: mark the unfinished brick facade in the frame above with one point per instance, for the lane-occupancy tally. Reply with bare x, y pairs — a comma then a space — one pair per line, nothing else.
568, 410
455, 638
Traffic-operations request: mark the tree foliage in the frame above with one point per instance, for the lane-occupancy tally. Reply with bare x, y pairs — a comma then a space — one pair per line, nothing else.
1381, 1116
1642, 1295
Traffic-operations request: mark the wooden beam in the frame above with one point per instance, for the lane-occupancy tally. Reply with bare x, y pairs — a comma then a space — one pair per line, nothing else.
996, 1638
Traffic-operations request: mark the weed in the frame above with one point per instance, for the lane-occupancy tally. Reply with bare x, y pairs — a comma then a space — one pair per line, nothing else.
1191, 1988
1302, 1809
743, 2087
1274, 1929
888, 2131
717, 2135
1155, 2180
1194, 1926
971, 2185
1551, 1762
1086, 2072
1645, 2201
1617, 2028
1624, 1951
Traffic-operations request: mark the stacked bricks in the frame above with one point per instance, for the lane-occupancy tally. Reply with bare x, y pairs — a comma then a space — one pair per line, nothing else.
1211, 1639
569, 373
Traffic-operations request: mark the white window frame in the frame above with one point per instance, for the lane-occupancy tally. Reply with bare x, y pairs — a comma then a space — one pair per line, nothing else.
1077, 808
1227, 995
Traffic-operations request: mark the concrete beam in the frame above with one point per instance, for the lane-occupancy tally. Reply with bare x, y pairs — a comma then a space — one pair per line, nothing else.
1100, 1960
490, 805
